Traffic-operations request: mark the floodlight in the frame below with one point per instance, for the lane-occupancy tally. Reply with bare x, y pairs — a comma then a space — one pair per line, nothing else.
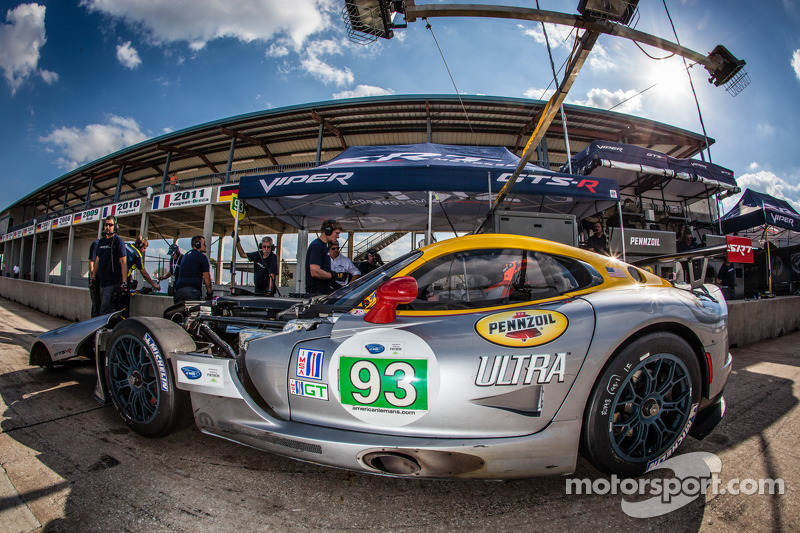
614, 10
728, 71
366, 20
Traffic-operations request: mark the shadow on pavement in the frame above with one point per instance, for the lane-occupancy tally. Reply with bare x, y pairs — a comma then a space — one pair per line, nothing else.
191, 482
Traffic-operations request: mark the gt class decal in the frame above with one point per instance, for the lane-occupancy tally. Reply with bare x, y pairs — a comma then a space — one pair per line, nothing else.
318, 391
522, 329
384, 382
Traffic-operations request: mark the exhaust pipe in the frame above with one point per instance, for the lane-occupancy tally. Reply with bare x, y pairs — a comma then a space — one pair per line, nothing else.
392, 463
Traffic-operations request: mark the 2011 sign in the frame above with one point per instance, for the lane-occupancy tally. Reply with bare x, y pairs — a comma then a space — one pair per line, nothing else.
182, 198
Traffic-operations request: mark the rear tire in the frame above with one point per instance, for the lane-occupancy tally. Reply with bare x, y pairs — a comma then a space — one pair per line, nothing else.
642, 406
139, 376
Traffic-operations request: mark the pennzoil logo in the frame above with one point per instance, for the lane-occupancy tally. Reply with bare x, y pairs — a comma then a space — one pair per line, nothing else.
522, 329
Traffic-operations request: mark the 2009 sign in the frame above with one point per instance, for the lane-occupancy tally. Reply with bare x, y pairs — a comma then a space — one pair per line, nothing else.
384, 383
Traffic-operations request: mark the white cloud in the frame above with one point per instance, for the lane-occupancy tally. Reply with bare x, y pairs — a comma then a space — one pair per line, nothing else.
128, 56
199, 21
20, 42
313, 62
605, 99
599, 98
539, 94
80, 146
768, 182
599, 60
278, 49
558, 35
49, 77
765, 130
796, 63
363, 90
753, 166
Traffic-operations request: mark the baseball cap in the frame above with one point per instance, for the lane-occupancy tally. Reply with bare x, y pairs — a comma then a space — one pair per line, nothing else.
173, 248
372, 251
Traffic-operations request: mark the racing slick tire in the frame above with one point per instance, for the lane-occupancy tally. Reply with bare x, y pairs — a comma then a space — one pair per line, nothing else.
139, 376
642, 405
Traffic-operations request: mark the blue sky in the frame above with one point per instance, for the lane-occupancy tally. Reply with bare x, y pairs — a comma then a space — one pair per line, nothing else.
84, 78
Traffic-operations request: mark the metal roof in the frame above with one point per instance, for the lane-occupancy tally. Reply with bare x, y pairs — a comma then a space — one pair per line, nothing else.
277, 139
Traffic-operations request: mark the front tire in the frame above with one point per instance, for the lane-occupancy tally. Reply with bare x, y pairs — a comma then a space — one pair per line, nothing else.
642, 406
139, 376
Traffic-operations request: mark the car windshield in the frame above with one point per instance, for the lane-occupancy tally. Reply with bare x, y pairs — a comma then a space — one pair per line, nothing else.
354, 294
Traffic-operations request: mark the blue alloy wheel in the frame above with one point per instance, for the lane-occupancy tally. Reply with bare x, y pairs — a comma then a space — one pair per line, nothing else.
651, 408
642, 405
139, 374
134, 379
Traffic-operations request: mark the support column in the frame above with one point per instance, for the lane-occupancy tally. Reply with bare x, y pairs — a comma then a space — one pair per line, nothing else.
220, 256
350, 241
230, 160
143, 226
64, 205
119, 183
12, 258
208, 230
166, 173
48, 257
33, 255
279, 254
300, 270
319, 142
88, 193
70, 251
21, 257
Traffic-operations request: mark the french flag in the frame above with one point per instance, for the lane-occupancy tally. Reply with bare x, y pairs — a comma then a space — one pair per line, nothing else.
161, 201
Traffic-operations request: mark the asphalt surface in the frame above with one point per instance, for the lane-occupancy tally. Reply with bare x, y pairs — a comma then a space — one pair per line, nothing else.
69, 464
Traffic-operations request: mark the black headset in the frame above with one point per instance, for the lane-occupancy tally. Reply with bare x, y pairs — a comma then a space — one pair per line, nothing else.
327, 228
116, 224
197, 242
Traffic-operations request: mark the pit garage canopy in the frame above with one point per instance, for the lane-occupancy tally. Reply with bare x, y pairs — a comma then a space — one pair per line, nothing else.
641, 170
382, 188
756, 209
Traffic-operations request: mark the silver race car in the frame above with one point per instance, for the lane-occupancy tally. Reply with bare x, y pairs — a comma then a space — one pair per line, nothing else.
485, 356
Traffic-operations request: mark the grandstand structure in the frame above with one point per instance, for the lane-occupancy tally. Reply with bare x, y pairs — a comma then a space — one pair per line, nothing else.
48, 232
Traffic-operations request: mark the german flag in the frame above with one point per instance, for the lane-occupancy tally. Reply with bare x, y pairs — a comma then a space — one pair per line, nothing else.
226, 192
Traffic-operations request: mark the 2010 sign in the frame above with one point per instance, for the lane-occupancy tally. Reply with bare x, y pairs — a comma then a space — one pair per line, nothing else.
127, 207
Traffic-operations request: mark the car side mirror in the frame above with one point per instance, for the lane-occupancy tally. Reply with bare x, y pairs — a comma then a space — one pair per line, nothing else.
395, 291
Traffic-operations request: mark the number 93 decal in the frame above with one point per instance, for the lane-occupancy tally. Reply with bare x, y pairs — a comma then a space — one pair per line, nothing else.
384, 383
391, 388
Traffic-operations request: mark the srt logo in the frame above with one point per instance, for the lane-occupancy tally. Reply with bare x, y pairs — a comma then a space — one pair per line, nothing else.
740, 249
